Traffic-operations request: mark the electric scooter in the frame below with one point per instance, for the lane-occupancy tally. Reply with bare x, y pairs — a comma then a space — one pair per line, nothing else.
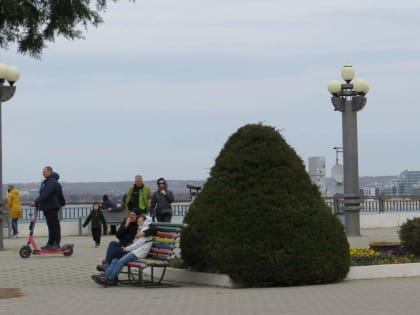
27, 250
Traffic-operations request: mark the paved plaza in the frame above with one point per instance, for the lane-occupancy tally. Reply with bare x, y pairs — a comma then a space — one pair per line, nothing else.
62, 285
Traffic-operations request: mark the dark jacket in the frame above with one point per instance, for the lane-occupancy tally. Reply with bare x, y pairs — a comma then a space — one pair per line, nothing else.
97, 219
162, 202
126, 235
108, 204
47, 199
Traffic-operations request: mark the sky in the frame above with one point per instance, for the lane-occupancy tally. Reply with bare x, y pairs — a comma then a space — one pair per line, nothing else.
160, 86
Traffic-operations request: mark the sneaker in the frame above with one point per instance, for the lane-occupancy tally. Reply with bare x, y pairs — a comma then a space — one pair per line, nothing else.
103, 280
97, 245
46, 246
99, 279
54, 247
102, 267
15, 236
107, 282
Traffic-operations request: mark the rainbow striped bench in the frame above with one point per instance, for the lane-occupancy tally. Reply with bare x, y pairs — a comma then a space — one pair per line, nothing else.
165, 247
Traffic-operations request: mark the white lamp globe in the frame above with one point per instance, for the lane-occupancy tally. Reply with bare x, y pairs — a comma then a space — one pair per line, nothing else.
3, 70
361, 86
334, 86
12, 74
347, 72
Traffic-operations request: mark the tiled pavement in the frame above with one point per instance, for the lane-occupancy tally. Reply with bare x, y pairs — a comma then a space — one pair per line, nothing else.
62, 285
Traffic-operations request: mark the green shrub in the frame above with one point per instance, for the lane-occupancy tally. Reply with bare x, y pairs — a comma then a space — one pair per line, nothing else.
177, 262
260, 220
410, 236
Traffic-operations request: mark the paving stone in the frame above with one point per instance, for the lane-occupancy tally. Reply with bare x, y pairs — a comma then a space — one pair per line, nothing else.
62, 285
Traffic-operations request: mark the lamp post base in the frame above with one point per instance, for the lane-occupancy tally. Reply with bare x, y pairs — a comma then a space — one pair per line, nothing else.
352, 223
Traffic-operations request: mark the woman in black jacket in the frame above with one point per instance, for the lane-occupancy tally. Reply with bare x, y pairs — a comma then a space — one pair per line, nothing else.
161, 202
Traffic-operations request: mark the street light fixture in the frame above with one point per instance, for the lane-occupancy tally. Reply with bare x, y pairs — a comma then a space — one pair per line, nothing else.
349, 98
11, 75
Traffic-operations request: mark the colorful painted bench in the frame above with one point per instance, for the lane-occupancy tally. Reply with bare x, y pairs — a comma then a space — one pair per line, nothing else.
165, 247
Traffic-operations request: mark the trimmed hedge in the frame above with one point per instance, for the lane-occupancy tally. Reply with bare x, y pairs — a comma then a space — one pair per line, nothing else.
410, 236
260, 220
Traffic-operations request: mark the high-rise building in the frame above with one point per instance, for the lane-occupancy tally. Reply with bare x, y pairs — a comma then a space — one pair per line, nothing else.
406, 185
316, 170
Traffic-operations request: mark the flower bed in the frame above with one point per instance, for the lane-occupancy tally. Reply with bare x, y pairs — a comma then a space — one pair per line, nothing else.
369, 256
382, 246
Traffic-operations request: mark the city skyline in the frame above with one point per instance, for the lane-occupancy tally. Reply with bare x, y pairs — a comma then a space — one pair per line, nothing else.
158, 89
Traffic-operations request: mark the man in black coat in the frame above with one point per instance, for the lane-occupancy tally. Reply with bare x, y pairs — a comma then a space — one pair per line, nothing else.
125, 234
48, 201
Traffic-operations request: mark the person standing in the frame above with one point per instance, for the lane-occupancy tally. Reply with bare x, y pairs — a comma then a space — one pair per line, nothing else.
15, 207
161, 202
97, 219
49, 201
139, 197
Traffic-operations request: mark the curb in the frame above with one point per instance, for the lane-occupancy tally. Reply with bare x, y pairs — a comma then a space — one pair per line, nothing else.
384, 271
355, 273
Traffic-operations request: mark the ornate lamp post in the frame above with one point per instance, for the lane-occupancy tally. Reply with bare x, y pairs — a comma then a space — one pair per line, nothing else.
349, 98
11, 75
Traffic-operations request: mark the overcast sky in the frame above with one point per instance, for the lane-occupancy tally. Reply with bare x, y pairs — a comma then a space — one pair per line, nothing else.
158, 89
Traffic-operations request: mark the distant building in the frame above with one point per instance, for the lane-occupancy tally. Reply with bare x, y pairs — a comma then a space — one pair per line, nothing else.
408, 184
369, 192
316, 170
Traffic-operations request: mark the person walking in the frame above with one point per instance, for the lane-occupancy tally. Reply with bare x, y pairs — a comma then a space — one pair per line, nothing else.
15, 207
50, 200
97, 219
161, 202
139, 197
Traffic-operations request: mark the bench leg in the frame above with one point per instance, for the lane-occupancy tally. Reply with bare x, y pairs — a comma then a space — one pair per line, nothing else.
135, 277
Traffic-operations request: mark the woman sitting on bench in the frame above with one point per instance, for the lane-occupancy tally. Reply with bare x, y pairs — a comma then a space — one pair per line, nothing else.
139, 249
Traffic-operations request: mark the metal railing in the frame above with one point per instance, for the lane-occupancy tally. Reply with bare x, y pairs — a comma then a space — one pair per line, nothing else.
378, 205
75, 211
179, 209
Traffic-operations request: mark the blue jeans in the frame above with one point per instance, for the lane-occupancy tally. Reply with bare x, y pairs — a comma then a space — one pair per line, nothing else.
114, 250
15, 226
117, 265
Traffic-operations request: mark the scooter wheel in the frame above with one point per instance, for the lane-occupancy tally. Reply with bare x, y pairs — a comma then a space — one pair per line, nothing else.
25, 251
68, 251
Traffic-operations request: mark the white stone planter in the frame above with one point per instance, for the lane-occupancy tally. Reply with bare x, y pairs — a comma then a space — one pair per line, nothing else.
355, 273
192, 277
384, 271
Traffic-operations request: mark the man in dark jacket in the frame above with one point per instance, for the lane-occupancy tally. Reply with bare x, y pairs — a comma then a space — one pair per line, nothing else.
125, 234
48, 202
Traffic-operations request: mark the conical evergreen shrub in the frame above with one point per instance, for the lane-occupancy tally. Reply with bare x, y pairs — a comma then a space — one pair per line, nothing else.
260, 220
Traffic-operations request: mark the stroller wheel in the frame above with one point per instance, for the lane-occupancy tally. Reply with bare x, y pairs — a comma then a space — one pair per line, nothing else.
25, 251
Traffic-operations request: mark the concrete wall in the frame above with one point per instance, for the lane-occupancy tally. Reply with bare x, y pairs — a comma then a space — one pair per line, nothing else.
385, 220
67, 228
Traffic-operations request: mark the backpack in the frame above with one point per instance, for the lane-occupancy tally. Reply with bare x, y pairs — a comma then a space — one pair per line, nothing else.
60, 196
